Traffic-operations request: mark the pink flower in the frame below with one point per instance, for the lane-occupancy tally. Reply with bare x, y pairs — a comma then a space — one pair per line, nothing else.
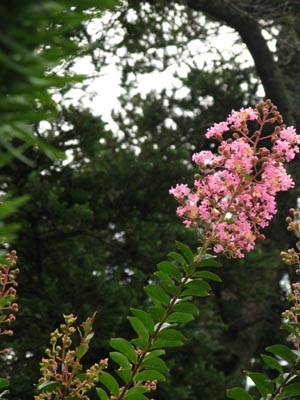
287, 150
203, 159
217, 130
275, 177
244, 114
180, 191
218, 248
187, 223
234, 198
239, 156
289, 134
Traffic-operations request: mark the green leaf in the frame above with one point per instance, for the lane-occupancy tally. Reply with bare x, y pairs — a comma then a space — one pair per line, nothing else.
124, 347
208, 262
109, 382
164, 277
102, 394
161, 343
196, 287
282, 351
145, 317
180, 317
262, 382
194, 292
139, 328
88, 325
120, 359
289, 391
155, 363
156, 312
208, 275
170, 269
187, 252
189, 269
4, 383
124, 374
170, 334
136, 390
186, 308
136, 393
136, 396
149, 375
81, 350
154, 353
9, 206
48, 386
81, 377
89, 337
157, 293
173, 290
177, 257
238, 394
199, 284
5, 300
141, 343
291, 328
272, 363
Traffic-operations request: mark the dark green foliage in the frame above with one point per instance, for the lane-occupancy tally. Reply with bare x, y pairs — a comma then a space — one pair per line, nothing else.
36, 37
92, 231
87, 234
94, 227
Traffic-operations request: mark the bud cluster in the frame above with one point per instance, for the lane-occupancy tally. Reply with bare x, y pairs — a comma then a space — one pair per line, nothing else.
291, 256
8, 284
151, 385
233, 196
291, 315
62, 367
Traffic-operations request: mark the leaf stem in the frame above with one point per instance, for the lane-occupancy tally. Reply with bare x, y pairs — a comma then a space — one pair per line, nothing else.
286, 380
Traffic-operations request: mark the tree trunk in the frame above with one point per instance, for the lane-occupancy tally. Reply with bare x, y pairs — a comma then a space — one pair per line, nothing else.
250, 31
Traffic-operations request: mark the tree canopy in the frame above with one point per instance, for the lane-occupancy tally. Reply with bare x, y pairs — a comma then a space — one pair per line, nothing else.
97, 222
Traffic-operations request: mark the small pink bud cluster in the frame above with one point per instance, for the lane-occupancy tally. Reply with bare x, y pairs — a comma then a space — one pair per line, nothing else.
151, 385
234, 193
8, 282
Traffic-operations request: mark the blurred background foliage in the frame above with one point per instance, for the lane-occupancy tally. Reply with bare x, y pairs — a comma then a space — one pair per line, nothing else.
98, 216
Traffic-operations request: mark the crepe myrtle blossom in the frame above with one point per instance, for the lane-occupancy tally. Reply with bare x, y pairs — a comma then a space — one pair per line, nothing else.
233, 196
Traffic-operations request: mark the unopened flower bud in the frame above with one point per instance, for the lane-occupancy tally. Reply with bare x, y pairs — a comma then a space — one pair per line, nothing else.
104, 363
8, 332
11, 292
12, 318
289, 296
70, 319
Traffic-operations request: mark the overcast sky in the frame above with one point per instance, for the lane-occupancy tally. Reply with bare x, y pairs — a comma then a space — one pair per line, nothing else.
103, 91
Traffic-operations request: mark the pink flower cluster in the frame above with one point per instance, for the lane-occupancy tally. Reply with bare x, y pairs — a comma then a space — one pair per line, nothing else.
234, 193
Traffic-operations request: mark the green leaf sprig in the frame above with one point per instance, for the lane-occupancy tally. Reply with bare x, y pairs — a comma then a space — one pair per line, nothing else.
140, 362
